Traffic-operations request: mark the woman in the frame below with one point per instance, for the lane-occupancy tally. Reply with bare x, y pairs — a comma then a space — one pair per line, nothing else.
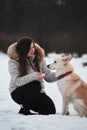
28, 69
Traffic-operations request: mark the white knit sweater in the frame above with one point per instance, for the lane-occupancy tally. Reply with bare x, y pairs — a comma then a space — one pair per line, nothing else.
31, 76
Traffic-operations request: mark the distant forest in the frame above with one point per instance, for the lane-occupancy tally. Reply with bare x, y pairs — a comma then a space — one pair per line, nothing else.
57, 25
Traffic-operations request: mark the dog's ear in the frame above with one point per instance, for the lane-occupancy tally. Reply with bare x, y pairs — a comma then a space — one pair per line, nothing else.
67, 58
63, 54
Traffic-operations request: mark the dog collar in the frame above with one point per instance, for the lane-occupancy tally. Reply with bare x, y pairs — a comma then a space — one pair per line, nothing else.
63, 75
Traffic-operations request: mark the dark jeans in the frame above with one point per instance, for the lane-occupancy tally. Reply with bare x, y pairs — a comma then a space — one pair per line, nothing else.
30, 97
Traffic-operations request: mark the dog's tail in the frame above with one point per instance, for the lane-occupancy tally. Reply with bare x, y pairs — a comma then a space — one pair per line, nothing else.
80, 107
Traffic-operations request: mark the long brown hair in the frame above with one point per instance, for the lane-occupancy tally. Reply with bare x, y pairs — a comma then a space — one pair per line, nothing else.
22, 48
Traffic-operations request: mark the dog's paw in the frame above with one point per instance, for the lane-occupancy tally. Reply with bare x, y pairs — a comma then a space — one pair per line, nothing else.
67, 113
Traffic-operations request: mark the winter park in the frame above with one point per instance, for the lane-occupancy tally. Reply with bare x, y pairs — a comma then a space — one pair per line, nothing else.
58, 26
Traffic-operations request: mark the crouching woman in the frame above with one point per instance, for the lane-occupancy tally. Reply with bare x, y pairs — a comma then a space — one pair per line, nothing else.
28, 70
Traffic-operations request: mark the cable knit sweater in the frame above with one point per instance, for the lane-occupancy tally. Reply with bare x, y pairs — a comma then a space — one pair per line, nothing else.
17, 81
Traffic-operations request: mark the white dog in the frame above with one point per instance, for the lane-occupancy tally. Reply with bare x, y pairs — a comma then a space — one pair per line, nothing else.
71, 86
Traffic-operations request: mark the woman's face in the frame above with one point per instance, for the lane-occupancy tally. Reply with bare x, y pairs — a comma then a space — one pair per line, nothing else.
31, 51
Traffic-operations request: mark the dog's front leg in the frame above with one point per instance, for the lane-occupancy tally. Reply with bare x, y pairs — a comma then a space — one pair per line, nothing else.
65, 105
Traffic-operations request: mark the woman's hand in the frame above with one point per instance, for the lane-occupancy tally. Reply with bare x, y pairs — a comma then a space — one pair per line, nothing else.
40, 75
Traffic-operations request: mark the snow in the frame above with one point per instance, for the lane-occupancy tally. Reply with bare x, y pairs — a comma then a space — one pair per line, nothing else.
11, 120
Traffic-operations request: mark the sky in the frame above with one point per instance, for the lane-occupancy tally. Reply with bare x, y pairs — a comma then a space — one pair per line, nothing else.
11, 120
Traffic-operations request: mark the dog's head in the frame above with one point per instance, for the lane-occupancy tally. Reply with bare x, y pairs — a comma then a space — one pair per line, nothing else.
62, 63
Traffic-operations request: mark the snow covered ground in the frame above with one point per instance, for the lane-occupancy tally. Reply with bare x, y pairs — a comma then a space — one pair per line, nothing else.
11, 120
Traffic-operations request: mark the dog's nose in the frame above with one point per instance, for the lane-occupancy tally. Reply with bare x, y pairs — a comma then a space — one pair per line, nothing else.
48, 66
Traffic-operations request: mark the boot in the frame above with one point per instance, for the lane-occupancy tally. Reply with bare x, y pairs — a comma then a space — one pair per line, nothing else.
25, 112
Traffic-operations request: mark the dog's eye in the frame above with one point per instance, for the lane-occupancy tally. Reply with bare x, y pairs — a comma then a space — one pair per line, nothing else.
54, 61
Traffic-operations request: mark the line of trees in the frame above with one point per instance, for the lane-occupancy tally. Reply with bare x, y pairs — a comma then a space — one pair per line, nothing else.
57, 25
